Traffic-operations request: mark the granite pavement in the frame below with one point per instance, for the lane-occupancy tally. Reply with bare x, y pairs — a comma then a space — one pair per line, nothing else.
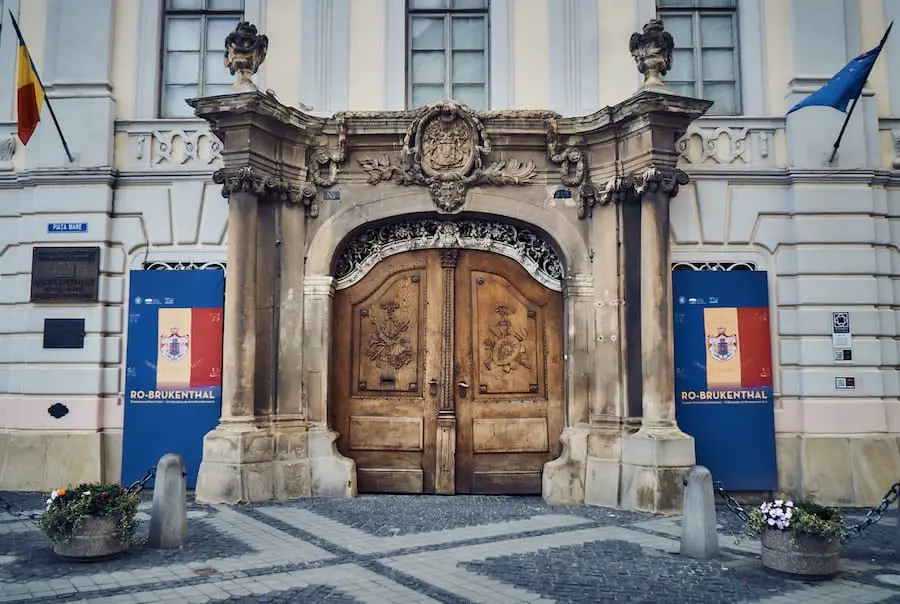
381, 549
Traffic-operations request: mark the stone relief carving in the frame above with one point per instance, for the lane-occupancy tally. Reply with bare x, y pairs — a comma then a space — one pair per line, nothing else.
181, 147
573, 170
505, 345
444, 150
245, 51
7, 150
652, 51
724, 145
521, 244
655, 179
250, 180
323, 165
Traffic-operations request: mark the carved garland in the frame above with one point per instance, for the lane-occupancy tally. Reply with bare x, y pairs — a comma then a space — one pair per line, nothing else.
573, 170
521, 244
444, 150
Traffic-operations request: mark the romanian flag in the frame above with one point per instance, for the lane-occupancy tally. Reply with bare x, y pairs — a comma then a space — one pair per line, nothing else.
29, 95
190, 349
738, 354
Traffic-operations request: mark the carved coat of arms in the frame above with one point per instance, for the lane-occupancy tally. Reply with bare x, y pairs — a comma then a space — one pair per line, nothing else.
722, 346
175, 345
444, 150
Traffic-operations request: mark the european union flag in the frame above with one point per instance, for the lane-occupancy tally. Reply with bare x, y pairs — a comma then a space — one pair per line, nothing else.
847, 84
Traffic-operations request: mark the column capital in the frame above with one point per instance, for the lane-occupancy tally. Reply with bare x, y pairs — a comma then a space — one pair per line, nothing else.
267, 187
660, 179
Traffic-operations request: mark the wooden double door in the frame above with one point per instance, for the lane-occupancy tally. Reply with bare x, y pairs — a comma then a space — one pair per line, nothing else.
448, 375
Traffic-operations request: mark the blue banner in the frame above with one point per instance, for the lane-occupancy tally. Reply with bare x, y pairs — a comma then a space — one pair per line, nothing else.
173, 378
723, 374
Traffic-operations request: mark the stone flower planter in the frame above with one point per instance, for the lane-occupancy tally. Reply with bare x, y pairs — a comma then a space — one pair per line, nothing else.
96, 540
811, 558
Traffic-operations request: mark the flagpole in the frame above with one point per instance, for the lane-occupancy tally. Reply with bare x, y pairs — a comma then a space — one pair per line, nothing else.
837, 143
41, 84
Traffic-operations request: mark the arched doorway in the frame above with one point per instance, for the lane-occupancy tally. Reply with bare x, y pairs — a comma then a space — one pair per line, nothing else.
448, 368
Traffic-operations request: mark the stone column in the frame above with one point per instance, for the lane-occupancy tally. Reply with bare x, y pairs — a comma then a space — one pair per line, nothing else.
292, 466
236, 463
656, 457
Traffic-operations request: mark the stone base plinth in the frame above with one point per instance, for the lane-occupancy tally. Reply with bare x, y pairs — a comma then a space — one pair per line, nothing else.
291, 464
332, 474
603, 472
562, 481
653, 466
238, 465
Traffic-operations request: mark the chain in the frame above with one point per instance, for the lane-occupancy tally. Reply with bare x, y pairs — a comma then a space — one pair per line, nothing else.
875, 514
136, 487
731, 503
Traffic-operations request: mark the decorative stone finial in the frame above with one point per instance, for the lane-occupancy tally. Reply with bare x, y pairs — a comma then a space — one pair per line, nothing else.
652, 51
245, 51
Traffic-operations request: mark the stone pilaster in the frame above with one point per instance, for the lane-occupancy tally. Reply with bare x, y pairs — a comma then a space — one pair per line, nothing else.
656, 457
331, 474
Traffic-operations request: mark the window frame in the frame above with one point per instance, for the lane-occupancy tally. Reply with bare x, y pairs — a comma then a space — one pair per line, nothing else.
204, 14
447, 14
696, 11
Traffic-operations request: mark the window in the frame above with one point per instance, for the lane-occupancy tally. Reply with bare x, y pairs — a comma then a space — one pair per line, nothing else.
705, 63
448, 56
194, 46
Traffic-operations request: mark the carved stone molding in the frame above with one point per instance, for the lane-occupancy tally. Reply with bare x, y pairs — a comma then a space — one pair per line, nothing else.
246, 179
444, 150
749, 145
323, 165
655, 179
527, 247
573, 170
652, 51
7, 150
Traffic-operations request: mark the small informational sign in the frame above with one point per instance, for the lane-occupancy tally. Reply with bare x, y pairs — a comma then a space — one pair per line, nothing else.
845, 383
65, 274
562, 194
331, 195
67, 227
841, 335
843, 355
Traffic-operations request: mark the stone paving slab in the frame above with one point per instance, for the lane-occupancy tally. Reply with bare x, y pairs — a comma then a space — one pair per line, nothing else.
385, 549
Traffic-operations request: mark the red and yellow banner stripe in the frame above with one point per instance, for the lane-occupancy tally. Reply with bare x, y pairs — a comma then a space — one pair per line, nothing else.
190, 348
737, 348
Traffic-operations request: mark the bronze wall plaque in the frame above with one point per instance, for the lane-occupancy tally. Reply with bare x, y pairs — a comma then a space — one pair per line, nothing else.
65, 274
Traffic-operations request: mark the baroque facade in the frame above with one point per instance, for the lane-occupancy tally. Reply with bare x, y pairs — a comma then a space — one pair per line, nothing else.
373, 209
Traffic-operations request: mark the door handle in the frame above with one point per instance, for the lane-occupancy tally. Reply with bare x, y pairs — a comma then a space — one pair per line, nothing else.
433, 387
462, 388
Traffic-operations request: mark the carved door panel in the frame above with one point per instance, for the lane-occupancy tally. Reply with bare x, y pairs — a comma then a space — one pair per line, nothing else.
509, 375
386, 367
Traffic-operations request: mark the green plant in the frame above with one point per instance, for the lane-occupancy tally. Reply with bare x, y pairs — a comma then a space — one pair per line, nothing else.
801, 518
67, 510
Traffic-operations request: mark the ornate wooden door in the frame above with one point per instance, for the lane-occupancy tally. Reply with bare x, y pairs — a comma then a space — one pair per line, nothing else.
386, 365
509, 372
448, 375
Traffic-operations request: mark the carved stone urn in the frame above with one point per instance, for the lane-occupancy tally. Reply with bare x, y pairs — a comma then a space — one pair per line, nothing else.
652, 51
245, 50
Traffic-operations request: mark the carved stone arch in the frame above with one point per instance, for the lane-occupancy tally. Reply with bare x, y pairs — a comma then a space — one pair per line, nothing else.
528, 246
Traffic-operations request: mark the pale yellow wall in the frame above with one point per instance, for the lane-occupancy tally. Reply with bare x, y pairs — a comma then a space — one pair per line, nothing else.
367, 54
124, 69
33, 23
777, 42
873, 25
618, 75
531, 56
282, 68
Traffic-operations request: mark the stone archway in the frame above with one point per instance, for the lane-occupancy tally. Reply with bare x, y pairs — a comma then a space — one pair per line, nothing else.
447, 371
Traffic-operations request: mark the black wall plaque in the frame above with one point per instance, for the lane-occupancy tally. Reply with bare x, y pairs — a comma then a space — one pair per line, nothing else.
63, 333
65, 274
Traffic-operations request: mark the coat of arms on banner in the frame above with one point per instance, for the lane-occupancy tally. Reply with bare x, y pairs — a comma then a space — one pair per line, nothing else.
174, 346
722, 346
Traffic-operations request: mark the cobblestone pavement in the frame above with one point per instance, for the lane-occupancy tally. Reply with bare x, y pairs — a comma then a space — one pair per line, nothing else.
380, 549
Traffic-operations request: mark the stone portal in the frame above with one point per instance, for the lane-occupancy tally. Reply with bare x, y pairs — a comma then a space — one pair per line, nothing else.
562, 357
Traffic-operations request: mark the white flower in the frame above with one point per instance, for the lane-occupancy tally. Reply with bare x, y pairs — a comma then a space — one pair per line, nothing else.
771, 522
790, 504
779, 502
